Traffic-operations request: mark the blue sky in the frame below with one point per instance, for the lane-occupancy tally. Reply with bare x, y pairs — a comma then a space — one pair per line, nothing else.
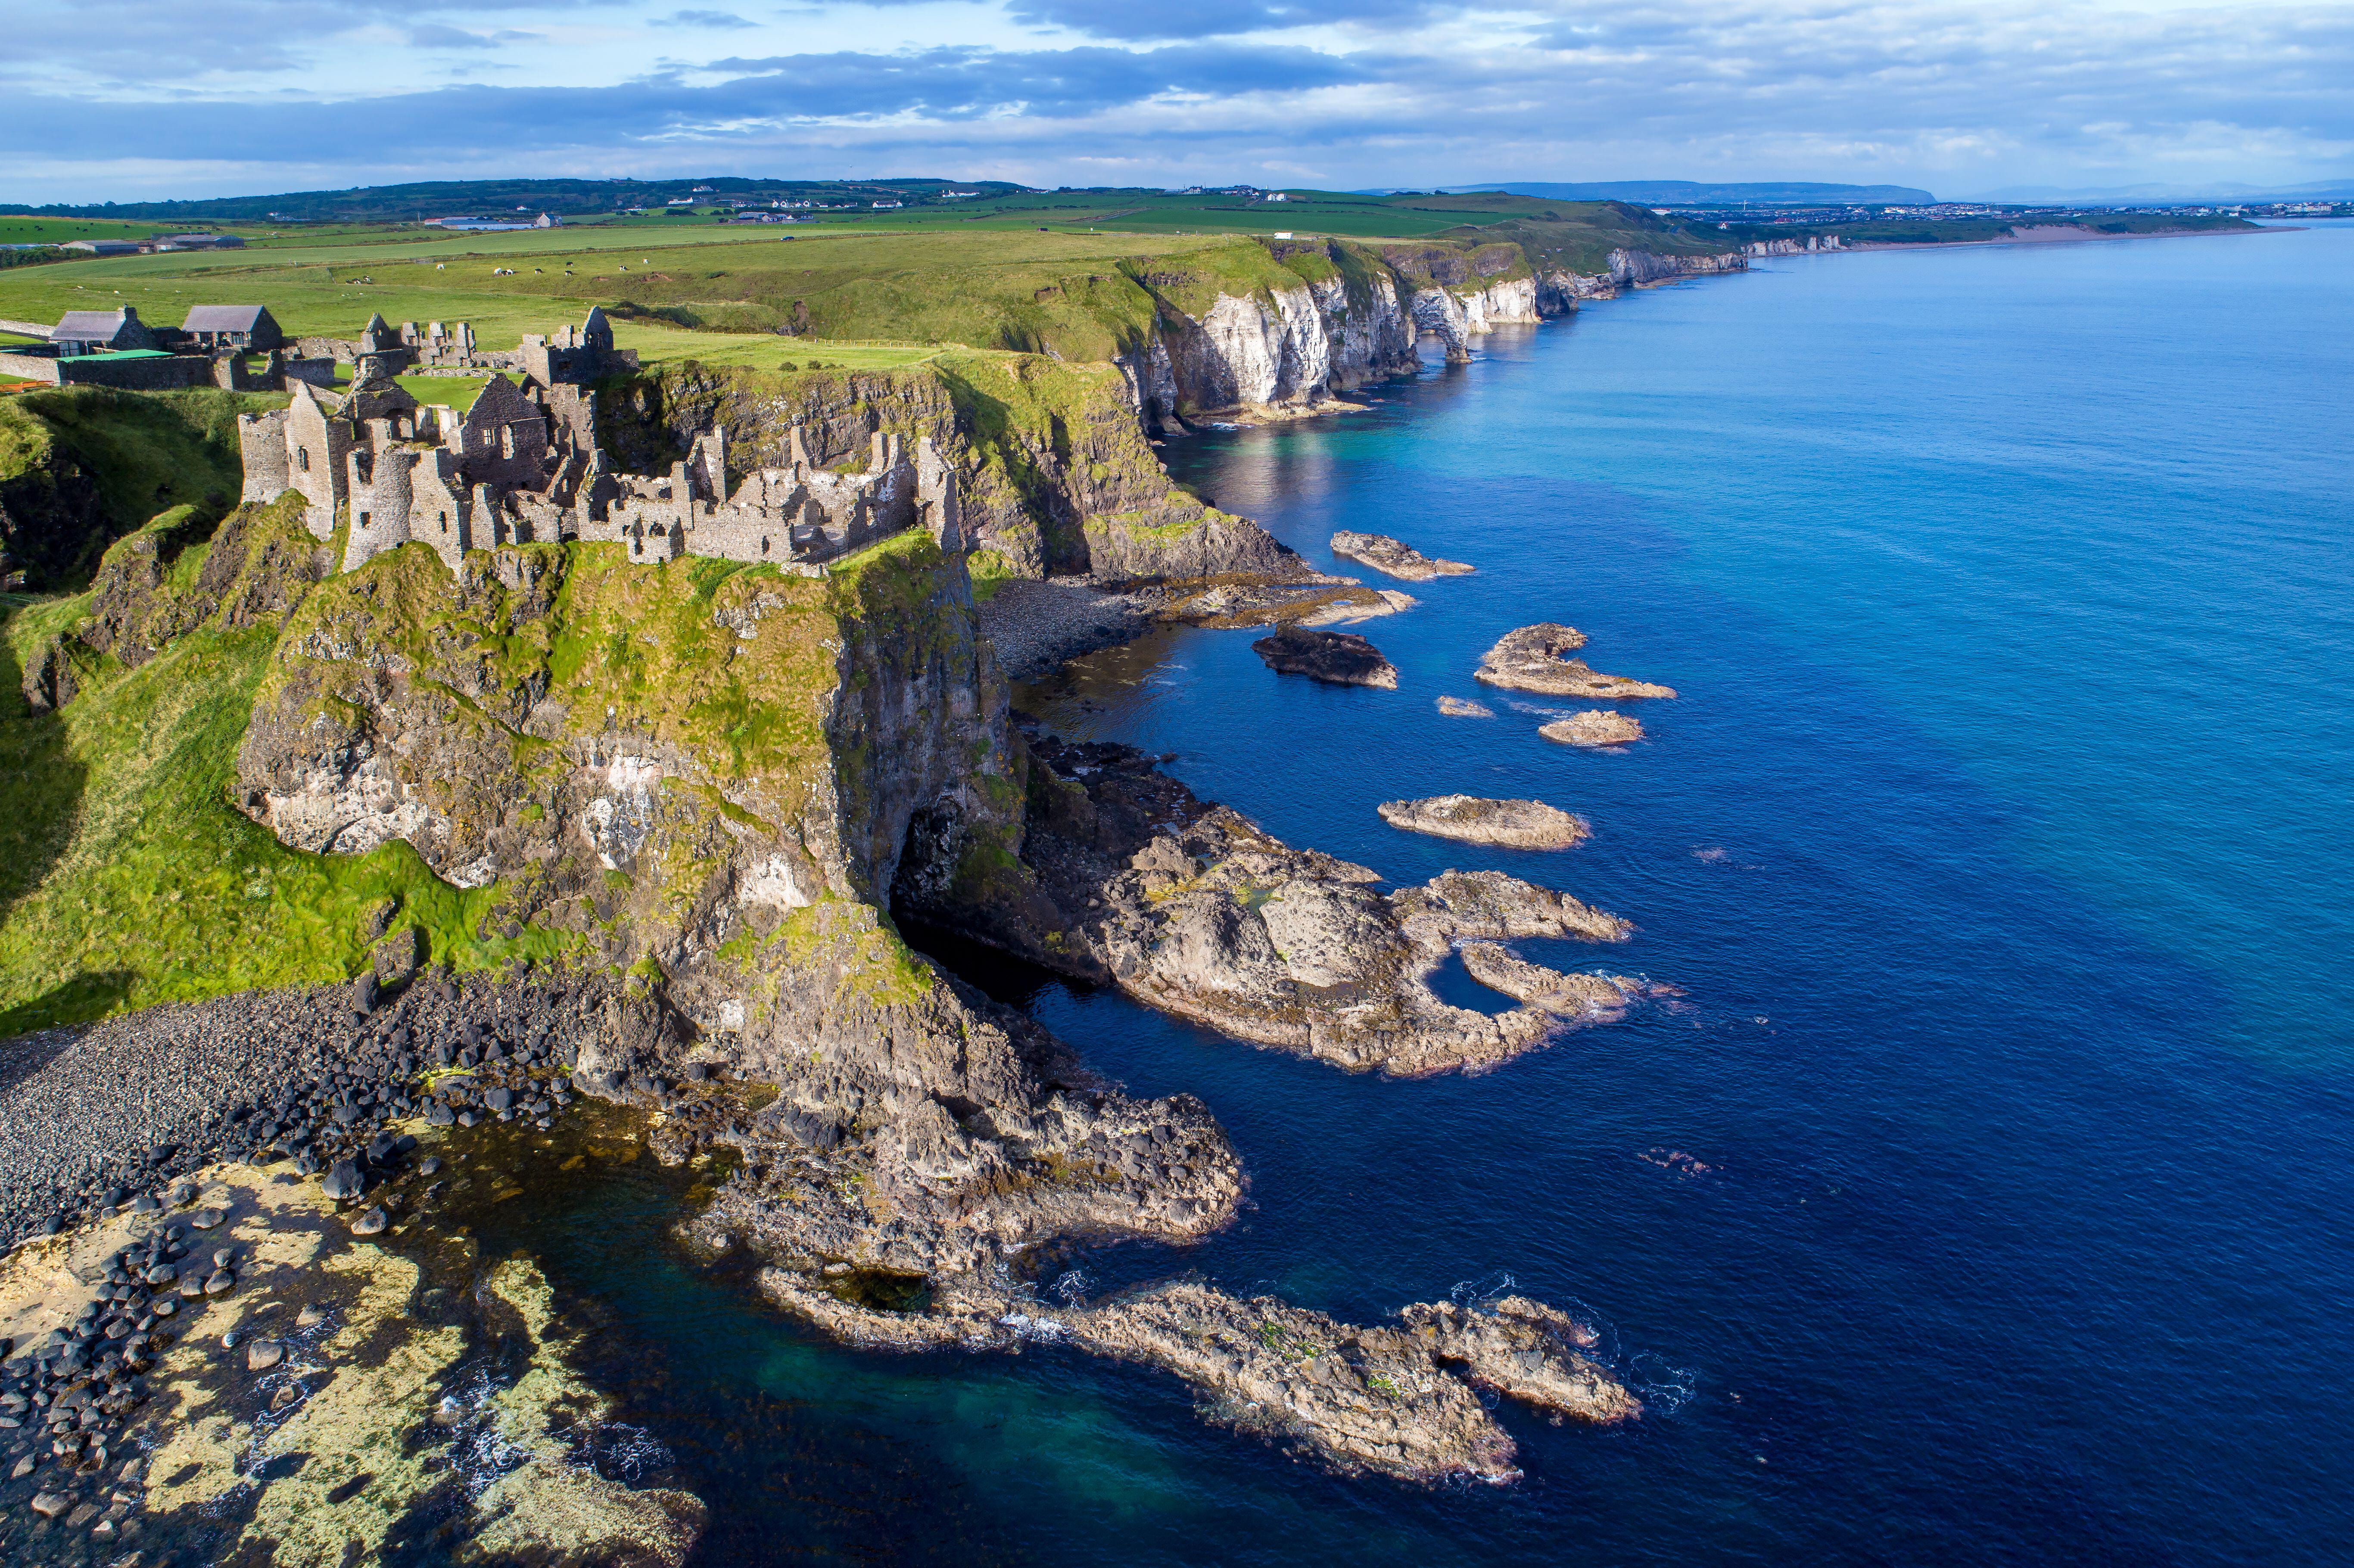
114, 100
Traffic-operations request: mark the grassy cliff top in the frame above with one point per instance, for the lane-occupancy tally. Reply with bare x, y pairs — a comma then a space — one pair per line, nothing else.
1073, 271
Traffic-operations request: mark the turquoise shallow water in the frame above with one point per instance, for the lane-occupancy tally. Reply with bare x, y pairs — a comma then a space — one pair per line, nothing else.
1998, 839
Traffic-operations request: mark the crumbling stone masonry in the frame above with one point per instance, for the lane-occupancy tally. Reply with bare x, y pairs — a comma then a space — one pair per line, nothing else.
520, 465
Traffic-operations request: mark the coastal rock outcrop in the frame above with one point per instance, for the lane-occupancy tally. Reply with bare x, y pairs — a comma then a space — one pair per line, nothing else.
1384, 554
1393, 1400
1532, 659
1341, 658
1513, 824
1191, 909
1595, 727
1464, 707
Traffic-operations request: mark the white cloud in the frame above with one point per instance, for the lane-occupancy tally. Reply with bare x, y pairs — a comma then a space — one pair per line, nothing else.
1923, 93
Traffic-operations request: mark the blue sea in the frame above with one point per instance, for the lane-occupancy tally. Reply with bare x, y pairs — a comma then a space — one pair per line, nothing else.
1999, 843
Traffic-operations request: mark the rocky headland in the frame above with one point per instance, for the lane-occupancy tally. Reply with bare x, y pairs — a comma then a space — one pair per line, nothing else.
1384, 554
1474, 819
1340, 658
1536, 659
591, 842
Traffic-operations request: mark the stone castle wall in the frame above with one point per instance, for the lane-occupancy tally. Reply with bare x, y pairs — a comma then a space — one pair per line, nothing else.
521, 465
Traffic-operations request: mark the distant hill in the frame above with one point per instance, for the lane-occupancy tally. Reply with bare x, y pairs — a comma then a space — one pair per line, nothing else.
1689, 192
384, 203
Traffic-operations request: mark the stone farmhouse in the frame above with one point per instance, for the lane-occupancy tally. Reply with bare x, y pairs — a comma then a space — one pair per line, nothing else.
115, 348
521, 464
244, 329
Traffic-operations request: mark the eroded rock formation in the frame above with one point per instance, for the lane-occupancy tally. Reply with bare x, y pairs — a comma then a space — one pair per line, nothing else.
1514, 824
1595, 727
1534, 659
1389, 1399
1189, 908
1341, 658
1384, 554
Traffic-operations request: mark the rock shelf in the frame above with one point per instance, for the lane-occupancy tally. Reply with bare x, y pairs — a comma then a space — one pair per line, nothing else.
1384, 554
1534, 659
153, 1418
1193, 909
1394, 1400
1511, 825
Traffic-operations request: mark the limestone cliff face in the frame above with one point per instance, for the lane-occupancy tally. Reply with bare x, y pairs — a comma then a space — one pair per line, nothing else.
1289, 345
1559, 292
1328, 317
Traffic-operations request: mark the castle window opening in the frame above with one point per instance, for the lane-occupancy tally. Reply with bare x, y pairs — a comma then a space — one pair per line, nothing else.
364, 517
445, 522
303, 458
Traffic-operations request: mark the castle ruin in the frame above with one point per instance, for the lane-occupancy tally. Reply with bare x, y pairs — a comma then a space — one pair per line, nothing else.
521, 464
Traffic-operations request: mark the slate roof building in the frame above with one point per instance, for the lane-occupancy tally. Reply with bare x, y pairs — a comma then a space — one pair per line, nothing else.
233, 326
96, 330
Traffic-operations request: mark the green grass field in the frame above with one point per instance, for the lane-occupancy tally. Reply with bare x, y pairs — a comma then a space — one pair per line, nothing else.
1071, 272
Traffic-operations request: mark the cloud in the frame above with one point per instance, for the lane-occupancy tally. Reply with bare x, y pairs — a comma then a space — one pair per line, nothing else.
1153, 21
1923, 92
703, 19
433, 36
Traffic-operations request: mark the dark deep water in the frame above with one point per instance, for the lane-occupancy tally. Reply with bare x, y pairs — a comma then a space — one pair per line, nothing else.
2010, 592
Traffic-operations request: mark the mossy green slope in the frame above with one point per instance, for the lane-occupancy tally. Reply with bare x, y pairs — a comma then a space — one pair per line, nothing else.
82, 466
126, 876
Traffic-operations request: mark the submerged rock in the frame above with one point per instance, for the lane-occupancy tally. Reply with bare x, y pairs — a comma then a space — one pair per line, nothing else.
1464, 707
1514, 824
1533, 659
1384, 554
1594, 729
1341, 658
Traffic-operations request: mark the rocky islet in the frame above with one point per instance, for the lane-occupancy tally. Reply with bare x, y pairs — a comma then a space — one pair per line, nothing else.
1510, 824
1397, 558
1337, 658
1593, 729
1536, 659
